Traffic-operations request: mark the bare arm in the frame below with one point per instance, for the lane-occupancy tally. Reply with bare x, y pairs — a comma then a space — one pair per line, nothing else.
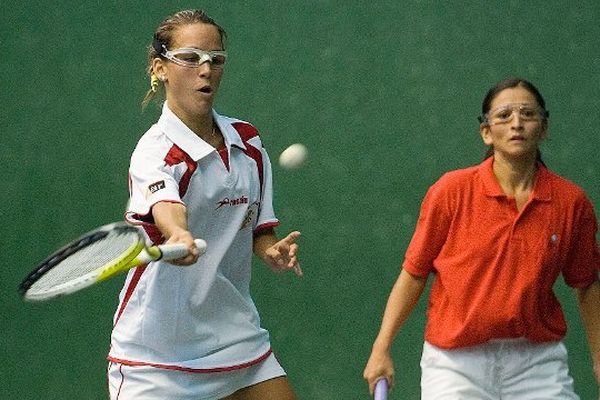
404, 296
171, 220
280, 255
589, 306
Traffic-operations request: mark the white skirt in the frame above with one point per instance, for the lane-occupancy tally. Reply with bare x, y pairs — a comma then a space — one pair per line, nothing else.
127, 382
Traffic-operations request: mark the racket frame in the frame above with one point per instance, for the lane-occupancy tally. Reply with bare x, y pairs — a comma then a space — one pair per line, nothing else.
135, 255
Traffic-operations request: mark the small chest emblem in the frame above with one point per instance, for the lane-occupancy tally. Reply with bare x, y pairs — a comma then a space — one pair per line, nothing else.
251, 216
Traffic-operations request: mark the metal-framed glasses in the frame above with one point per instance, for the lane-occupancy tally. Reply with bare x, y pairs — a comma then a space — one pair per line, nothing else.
193, 58
506, 113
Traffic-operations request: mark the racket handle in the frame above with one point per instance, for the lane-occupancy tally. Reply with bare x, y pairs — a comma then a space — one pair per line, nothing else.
178, 250
381, 389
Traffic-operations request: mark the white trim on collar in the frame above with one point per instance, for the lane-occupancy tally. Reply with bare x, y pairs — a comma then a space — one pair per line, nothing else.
231, 136
191, 143
183, 136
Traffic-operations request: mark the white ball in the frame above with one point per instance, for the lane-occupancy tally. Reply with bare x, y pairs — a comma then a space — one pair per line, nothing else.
293, 157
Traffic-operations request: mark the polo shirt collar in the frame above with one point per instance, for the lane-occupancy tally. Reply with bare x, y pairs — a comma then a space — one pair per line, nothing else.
541, 190
230, 134
490, 184
187, 139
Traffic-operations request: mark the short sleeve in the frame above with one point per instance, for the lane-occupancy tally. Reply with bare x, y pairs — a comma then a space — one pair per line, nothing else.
583, 261
266, 216
151, 179
431, 231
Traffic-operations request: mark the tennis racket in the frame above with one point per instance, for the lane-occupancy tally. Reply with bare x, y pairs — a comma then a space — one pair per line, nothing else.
381, 389
95, 257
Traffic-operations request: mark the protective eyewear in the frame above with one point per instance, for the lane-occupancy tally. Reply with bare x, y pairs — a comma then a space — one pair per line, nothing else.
192, 58
504, 114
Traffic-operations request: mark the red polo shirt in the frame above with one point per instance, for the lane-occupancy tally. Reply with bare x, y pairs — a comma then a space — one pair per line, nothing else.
495, 266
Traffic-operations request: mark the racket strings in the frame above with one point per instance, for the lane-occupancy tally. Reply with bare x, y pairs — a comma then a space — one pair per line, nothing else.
81, 262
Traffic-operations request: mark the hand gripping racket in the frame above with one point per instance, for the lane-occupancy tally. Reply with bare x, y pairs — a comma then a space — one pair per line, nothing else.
381, 390
95, 257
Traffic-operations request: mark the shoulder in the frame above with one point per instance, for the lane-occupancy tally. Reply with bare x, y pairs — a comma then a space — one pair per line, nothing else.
564, 189
456, 179
450, 189
154, 135
458, 176
154, 142
243, 128
563, 183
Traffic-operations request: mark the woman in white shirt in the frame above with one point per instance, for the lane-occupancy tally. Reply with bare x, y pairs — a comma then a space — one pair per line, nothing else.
192, 331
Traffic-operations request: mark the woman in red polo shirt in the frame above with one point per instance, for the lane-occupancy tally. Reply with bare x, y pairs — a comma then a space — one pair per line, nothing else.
497, 236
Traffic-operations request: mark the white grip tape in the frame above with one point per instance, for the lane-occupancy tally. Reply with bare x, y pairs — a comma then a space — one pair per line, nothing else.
174, 251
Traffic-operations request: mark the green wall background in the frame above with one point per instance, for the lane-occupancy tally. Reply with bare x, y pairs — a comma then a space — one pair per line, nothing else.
383, 93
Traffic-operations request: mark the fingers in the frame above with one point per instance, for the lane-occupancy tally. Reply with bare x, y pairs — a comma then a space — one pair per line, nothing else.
192, 256
293, 250
291, 237
187, 260
282, 255
379, 366
298, 271
293, 263
186, 238
288, 254
373, 382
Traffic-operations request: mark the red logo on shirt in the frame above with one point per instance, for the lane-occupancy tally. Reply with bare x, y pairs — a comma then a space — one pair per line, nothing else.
233, 202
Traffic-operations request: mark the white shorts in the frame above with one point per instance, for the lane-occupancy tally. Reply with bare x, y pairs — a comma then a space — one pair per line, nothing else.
127, 382
512, 369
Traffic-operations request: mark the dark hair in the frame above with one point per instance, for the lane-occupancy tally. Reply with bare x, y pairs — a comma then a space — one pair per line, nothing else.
164, 37
510, 83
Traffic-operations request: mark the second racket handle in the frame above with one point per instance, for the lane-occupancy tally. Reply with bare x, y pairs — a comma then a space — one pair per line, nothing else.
174, 251
381, 389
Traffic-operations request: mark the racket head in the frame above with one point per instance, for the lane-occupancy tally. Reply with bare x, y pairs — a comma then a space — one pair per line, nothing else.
78, 264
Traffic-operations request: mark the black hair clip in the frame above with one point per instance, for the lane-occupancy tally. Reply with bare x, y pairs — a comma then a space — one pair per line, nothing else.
158, 46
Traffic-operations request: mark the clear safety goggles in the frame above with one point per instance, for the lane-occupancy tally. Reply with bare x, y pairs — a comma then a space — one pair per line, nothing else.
192, 58
506, 113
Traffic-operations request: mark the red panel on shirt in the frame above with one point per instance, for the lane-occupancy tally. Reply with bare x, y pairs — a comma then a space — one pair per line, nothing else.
139, 271
175, 156
225, 157
247, 132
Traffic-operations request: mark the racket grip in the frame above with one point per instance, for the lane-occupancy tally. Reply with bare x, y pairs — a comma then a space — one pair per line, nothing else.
381, 389
178, 250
